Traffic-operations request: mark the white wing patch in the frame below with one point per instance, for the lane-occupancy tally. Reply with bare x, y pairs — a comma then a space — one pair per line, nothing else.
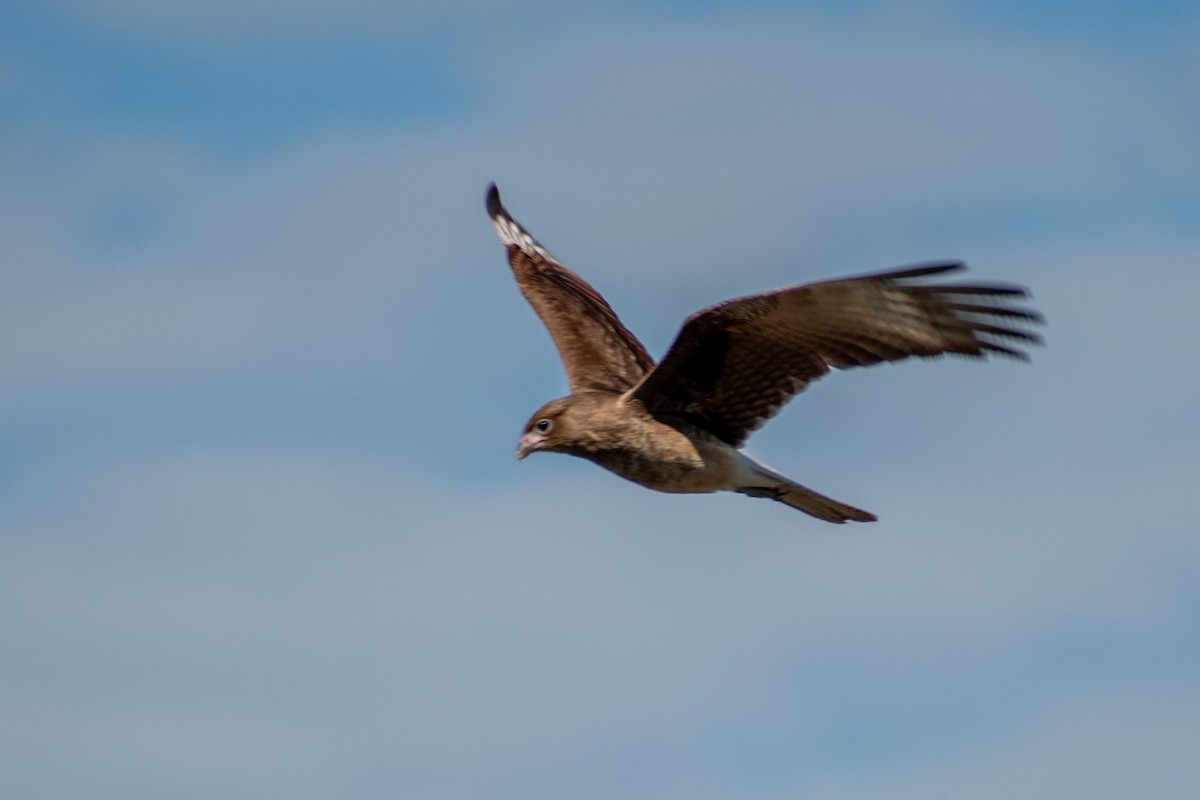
511, 233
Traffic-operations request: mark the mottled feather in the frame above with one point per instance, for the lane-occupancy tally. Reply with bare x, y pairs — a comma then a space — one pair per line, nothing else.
734, 365
597, 350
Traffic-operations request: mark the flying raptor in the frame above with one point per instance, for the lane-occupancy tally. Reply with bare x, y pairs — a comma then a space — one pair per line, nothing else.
679, 426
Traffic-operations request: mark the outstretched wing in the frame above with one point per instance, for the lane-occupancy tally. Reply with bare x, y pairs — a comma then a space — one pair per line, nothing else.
598, 352
734, 365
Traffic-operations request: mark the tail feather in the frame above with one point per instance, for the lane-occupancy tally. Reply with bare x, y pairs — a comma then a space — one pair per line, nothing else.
810, 502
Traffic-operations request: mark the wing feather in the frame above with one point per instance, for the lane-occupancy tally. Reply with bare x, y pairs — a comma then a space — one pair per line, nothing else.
734, 365
597, 350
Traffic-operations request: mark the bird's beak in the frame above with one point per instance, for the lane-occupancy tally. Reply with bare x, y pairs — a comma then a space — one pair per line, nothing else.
529, 443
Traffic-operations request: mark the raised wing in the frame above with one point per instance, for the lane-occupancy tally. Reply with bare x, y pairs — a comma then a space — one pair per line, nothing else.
735, 364
598, 352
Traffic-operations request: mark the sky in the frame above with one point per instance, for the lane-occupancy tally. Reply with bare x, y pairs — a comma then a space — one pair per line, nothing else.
262, 530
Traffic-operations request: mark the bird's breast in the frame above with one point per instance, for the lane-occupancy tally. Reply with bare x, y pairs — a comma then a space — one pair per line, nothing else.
663, 458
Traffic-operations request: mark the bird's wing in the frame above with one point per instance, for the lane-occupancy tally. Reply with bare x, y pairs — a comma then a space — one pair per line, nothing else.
597, 351
735, 364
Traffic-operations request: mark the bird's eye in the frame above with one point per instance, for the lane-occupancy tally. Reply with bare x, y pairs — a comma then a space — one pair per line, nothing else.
543, 425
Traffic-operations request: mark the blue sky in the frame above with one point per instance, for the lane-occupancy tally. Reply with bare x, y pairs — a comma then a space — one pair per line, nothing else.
262, 532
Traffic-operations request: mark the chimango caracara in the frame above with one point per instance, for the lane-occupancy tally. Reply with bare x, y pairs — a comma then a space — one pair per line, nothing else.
678, 426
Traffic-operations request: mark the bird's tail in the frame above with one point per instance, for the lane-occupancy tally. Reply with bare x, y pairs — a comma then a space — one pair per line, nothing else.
810, 502
773, 486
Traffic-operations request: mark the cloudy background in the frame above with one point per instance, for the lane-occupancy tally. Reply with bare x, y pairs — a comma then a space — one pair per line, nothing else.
263, 370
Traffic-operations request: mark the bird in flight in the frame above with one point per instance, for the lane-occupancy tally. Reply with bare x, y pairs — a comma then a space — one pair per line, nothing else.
679, 426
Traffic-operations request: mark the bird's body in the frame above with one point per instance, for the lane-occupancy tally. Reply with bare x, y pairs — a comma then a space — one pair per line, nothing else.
679, 426
616, 432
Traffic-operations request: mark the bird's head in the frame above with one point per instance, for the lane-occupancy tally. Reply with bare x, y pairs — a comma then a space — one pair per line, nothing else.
548, 429
566, 425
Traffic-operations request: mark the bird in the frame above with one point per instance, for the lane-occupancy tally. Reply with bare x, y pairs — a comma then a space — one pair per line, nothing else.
679, 425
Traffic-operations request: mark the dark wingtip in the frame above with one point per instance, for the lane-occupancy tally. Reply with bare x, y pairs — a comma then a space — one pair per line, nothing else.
931, 268
1007, 352
494, 208
918, 271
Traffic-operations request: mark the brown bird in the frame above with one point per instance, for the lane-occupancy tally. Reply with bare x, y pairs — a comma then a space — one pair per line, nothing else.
679, 426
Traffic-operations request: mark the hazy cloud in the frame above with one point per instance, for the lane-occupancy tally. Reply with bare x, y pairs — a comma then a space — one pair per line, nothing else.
263, 532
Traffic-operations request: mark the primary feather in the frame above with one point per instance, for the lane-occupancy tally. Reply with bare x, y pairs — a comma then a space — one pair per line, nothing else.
734, 365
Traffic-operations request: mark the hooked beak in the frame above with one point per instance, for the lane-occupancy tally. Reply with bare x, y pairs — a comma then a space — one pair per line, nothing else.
529, 443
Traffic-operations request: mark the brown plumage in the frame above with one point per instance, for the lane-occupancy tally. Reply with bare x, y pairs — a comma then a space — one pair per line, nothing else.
678, 426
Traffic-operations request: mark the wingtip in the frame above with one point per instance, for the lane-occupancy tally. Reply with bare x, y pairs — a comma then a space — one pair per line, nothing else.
494, 207
926, 269
510, 231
